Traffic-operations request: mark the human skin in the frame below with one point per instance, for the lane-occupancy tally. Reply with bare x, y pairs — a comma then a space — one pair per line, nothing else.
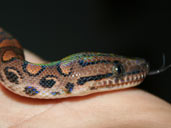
128, 108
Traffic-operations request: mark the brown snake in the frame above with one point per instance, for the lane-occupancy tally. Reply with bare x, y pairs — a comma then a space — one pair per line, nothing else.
76, 75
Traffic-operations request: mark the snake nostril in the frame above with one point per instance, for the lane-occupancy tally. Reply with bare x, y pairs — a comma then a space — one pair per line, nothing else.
145, 66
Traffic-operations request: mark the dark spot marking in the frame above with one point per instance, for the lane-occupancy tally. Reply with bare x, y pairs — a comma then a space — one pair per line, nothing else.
46, 82
133, 72
11, 76
30, 90
83, 63
92, 88
69, 86
128, 73
83, 80
136, 72
30, 74
116, 62
60, 70
55, 93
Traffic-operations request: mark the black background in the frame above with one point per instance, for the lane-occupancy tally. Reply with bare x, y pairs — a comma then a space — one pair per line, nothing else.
54, 30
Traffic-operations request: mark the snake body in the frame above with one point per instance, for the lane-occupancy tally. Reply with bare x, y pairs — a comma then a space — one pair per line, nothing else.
76, 75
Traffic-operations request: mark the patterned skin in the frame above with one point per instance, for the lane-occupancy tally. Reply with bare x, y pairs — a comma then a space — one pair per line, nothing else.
76, 75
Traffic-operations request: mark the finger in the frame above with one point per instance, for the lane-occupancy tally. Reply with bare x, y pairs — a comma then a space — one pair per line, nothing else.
31, 57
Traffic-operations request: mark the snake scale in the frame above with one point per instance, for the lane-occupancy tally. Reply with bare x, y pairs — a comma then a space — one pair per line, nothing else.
76, 75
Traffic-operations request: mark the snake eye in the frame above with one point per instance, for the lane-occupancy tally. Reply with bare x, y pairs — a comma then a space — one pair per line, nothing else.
118, 69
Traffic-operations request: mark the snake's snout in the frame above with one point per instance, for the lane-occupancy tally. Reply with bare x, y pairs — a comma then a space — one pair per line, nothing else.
136, 66
145, 66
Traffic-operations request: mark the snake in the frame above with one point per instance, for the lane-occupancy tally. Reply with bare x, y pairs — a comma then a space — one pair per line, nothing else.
79, 74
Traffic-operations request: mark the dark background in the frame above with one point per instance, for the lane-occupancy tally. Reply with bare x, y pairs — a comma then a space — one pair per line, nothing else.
54, 30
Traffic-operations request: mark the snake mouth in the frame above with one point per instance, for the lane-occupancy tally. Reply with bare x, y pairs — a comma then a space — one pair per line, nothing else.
119, 83
131, 80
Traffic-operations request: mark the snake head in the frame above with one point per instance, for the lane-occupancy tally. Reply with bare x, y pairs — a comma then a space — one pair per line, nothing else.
112, 73
126, 73
124, 67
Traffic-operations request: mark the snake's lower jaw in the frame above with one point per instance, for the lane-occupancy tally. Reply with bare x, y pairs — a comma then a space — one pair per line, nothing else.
116, 83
